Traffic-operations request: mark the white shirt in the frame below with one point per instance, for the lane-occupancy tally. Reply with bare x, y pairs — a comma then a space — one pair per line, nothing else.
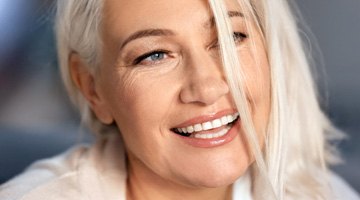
92, 173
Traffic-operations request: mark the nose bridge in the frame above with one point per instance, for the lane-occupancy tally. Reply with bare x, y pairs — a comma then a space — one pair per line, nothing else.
205, 81
206, 65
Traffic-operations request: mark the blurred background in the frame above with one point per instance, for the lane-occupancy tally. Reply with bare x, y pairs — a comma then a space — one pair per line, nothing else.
37, 120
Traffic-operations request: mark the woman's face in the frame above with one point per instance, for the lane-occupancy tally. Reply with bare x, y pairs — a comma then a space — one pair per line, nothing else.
161, 80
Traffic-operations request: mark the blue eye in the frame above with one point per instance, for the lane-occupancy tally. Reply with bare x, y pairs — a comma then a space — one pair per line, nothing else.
151, 57
155, 56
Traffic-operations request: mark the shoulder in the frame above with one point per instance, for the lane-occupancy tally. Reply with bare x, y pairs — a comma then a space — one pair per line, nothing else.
342, 189
96, 172
44, 174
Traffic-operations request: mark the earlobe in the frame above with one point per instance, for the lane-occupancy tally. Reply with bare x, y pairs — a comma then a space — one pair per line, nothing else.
86, 84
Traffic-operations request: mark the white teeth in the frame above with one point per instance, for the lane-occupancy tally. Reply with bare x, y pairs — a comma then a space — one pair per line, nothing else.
229, 118
206, 126
216, 123
224, 120
202, 136
197, 127
221, 133
190, 129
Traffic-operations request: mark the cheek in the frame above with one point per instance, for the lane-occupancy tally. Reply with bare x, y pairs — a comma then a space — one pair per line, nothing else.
136, 95
257, 71
140, 104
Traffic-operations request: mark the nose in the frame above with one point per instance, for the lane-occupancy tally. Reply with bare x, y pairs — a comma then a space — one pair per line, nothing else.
205, 82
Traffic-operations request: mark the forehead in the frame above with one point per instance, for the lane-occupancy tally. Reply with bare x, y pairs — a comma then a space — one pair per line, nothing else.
123, 14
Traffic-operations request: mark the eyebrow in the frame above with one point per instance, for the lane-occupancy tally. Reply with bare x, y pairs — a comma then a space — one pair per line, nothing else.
166, 32
233, 13
211, 21
147, 33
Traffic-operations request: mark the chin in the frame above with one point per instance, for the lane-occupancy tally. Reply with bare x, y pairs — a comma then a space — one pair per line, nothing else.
217, 182
206, 167
215, 178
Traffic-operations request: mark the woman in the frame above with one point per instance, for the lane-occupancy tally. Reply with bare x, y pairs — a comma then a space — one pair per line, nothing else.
189, 99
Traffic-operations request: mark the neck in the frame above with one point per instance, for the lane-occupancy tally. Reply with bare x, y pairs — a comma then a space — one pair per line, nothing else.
143, 184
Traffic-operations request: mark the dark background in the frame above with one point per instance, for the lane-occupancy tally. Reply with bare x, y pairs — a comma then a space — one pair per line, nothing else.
37, 121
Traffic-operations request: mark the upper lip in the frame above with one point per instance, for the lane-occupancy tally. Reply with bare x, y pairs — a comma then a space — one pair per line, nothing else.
204, 118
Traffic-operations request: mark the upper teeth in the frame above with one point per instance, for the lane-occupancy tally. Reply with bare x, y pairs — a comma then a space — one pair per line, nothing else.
216, 123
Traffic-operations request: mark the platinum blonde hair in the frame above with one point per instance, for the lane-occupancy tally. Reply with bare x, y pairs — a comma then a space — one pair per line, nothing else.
77, 27
293, 163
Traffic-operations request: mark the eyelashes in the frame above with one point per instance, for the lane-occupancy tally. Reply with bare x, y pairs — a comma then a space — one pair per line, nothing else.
159, 55
152, 56
238, 37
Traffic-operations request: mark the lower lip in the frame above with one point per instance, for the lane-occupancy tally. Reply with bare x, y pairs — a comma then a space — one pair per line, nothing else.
214, 142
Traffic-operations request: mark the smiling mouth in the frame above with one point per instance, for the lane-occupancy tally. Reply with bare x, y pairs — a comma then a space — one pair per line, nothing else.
210, 129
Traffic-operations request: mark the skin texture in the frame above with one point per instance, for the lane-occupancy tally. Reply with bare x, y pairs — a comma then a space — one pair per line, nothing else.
148, 98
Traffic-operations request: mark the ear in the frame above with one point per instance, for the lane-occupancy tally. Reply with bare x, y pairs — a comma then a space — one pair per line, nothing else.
85, 82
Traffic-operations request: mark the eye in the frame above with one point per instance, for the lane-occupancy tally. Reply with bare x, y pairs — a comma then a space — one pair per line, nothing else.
151, 57
239, 37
